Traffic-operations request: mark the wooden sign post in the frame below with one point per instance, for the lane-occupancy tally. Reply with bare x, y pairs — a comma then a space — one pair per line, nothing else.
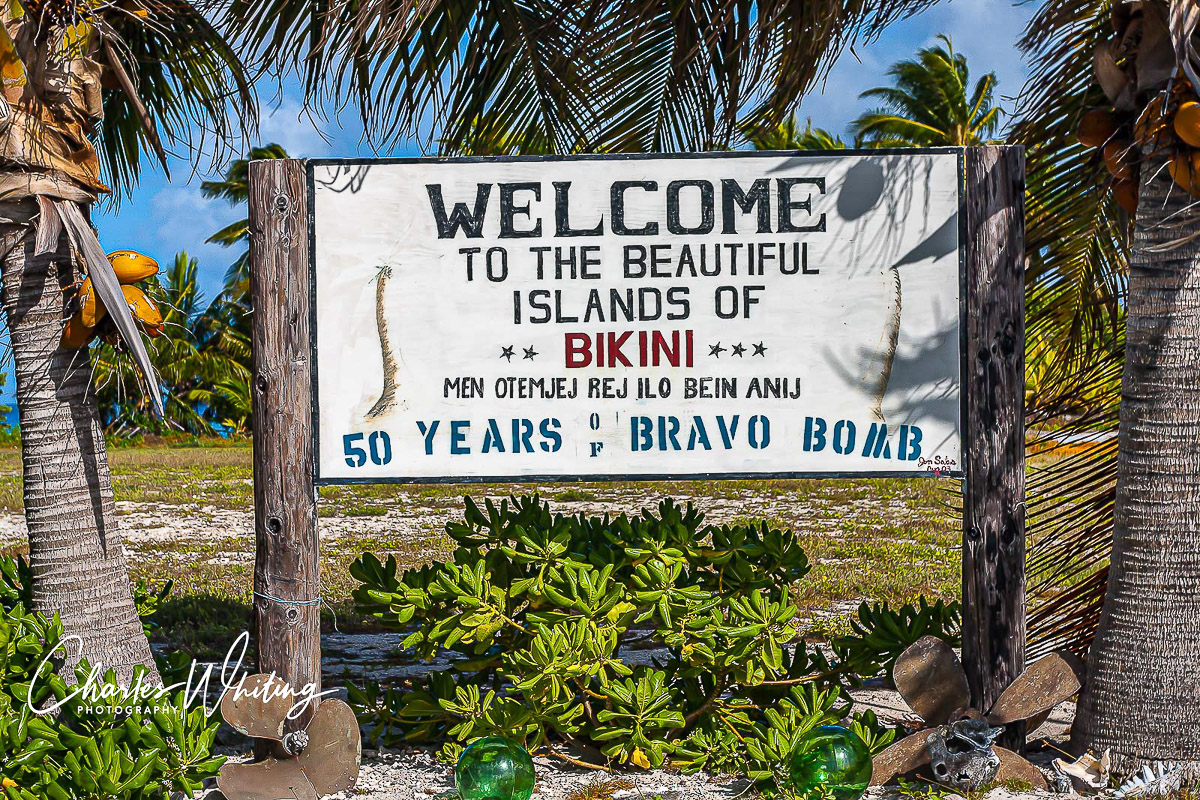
780, 200
287, 584
993, 571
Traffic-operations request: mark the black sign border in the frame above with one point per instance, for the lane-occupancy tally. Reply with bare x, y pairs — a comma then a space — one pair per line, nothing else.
318, 480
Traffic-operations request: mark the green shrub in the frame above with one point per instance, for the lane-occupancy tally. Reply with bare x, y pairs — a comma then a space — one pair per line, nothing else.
84, 750
540, 613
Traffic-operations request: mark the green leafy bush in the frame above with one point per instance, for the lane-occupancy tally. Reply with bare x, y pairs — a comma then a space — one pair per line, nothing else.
85, 749
542, 615
881, 634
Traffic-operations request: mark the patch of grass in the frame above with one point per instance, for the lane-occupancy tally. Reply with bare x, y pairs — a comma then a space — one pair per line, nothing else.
878, 539
921, 790
204, 625
574, 495
365, 510
600, 789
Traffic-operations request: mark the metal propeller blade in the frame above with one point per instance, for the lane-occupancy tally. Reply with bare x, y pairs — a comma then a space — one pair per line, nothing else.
276, 779
1038, 689
900, 758
334, 751
1015, 768
245, 709
330, 748
931, 680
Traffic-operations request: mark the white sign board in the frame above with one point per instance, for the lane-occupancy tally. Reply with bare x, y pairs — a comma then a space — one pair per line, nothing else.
716, 315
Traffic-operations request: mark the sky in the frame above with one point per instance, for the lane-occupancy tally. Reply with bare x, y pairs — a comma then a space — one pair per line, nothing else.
163, 217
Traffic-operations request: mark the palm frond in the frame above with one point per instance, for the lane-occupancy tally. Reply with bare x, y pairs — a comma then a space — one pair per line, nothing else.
928, 103
234, 187
186, 75
647, 75
787, 135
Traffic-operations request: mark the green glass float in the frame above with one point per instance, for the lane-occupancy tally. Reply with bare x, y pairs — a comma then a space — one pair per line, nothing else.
493, 768
833, 759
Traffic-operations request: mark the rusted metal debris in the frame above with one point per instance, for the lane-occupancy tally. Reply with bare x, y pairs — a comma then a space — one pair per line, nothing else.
961, 754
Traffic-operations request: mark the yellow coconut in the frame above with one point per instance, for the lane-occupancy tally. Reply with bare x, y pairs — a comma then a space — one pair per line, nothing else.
1116, 158
132, 266
1184, 167
1096, 127
1126, 194
91, 308
145, 311
1187, 123
75, 334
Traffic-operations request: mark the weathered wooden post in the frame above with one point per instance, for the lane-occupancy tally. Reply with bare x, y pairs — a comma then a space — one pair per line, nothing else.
287, 594
993, 579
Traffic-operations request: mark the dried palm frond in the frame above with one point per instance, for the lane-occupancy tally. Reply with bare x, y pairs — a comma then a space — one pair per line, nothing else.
1161, 780
1076, 254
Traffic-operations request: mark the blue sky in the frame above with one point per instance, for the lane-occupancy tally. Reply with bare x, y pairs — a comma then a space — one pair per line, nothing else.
163, 217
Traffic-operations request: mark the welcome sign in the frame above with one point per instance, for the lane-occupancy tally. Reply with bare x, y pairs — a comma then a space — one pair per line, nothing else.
716, 315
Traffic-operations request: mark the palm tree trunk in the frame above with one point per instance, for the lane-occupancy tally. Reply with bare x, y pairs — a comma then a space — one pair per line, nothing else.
1143, 687
75, 548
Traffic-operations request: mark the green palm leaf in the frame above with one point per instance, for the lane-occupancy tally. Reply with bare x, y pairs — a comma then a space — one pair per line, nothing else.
185, 73
930, 104
651, 75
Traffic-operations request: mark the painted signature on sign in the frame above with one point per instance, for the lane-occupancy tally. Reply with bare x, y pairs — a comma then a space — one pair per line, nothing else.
937, 464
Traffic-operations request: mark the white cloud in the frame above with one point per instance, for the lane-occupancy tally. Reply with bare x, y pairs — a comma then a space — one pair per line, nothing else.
290, 125
182, 219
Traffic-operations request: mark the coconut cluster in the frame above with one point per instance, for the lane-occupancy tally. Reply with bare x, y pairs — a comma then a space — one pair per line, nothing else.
88, 317
1169, 123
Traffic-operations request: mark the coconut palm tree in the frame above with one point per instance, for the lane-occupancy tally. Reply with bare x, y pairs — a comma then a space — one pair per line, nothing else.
787, 135
89, 87
234, 188
930, 103
1112, 248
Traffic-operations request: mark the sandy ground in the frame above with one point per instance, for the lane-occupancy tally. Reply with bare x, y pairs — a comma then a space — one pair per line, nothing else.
150, 522
414, 774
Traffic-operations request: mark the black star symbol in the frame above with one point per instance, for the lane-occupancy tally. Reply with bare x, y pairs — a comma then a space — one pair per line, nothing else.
507, 352
530, 353
760, 349
739, 350
716, 350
